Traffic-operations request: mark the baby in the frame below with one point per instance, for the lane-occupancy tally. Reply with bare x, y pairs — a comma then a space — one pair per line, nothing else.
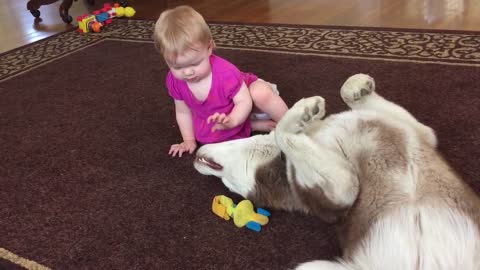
213, 99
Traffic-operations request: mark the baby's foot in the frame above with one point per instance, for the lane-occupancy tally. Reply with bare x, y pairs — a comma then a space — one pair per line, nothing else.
263, 125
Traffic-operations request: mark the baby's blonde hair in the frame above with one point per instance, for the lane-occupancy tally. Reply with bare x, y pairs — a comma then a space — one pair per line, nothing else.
179, 29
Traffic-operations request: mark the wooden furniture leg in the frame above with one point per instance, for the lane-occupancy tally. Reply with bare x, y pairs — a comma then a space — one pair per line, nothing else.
64, 7
34, 5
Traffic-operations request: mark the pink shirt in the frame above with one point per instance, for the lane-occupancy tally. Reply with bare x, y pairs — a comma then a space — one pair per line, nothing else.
226, 82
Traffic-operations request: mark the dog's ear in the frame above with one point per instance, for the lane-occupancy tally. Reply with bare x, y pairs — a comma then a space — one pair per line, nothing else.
283, 158
315, 201
271, 185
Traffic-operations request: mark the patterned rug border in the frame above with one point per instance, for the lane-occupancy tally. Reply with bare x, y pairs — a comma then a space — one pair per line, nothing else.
37, 41
372, 43
352, 27
23, 262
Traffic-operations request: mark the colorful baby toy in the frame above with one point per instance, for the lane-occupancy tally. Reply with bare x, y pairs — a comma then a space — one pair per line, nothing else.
102, 17
243, 213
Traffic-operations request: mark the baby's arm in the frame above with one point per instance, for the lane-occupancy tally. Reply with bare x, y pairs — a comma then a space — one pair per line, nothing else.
184, 121
239, 114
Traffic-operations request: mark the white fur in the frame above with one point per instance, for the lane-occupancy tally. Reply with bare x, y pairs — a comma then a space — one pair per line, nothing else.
449, 241
325, 153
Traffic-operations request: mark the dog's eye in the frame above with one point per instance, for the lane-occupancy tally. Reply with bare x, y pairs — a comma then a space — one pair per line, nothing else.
283, 157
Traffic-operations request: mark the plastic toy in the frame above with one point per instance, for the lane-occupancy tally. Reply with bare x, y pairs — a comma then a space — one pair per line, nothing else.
102, 17
243, 213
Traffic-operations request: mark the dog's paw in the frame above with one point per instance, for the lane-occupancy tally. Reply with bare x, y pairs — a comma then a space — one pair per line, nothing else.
357, 88
302, 113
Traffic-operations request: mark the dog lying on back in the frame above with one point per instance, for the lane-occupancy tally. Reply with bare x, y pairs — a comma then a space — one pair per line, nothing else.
374, 171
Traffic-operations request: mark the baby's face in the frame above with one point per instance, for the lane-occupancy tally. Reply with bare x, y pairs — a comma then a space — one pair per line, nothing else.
192, 65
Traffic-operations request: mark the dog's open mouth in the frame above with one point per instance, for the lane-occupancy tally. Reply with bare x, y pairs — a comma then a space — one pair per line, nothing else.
209, 162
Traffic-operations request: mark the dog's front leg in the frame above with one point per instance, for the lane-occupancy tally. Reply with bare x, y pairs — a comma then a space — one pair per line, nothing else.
322, 178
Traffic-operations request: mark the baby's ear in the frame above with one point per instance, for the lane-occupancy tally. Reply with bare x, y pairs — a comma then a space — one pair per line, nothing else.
211, 46
154, 38
156, 47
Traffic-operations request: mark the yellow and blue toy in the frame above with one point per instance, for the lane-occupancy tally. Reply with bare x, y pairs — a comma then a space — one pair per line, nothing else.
243, 213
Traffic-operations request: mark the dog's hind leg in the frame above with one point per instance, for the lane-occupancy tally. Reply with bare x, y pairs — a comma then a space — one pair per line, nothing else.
322, 265
358, 92
324, 180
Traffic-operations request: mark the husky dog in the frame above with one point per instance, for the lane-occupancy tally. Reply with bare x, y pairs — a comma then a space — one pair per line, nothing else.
373, 170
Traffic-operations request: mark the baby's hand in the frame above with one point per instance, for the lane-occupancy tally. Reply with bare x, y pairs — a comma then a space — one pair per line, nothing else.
186, 146
222, 121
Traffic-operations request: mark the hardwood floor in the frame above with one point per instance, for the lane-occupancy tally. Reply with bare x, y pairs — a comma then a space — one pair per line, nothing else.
18, 27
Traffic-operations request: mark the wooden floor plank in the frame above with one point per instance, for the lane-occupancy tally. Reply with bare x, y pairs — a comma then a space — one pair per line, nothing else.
18, 27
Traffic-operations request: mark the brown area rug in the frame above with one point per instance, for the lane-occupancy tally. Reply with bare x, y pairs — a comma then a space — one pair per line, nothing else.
86, 123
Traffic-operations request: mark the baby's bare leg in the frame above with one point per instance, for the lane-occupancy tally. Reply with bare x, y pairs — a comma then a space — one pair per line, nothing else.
262, 125
267, 101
